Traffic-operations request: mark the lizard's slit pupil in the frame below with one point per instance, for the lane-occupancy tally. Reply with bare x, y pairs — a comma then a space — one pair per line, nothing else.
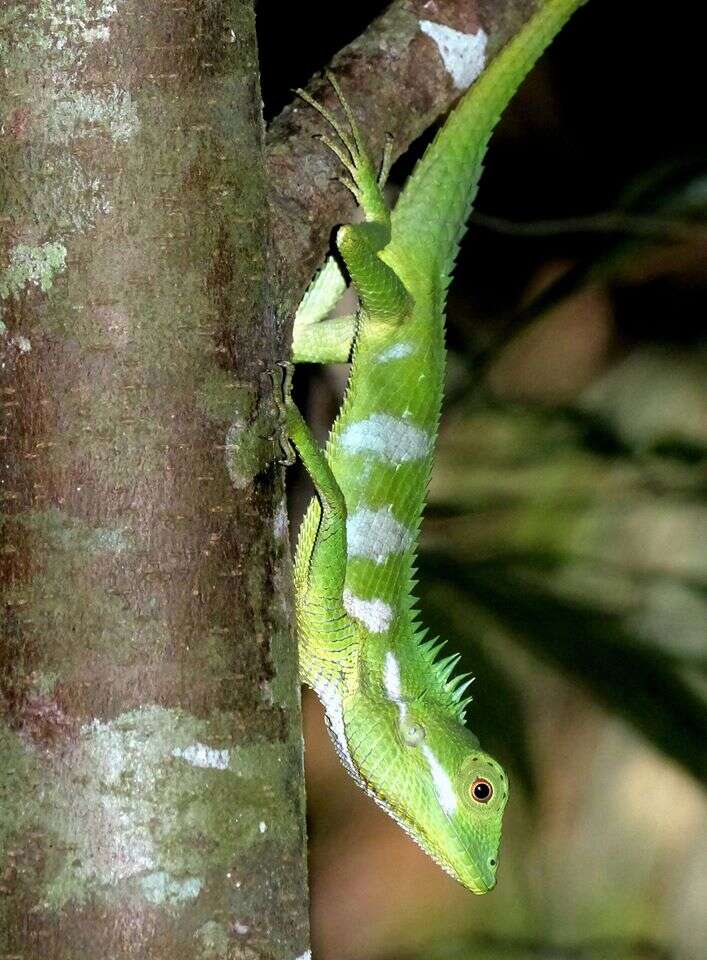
481, 790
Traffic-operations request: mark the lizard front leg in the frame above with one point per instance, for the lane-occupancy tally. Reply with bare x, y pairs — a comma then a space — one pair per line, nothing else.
317, 337
382, 295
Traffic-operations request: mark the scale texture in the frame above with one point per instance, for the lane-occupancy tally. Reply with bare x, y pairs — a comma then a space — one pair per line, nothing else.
393, 705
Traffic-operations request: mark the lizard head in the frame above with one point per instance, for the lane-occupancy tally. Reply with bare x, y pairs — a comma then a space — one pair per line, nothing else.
465, 793
446, 792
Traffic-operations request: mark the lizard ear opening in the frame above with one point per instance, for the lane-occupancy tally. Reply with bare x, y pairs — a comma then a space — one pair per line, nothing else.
413, 733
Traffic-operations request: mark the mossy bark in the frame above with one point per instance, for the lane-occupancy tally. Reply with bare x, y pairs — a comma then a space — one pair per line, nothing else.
151, 798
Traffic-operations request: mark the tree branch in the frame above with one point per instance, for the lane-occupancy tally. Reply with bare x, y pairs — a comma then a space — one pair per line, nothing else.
399, 80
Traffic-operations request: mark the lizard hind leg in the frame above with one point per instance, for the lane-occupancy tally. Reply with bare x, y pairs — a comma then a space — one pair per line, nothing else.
327, 649
361, 179
383, 295
324, 566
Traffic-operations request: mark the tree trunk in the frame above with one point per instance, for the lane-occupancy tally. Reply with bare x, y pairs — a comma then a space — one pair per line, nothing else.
151, 801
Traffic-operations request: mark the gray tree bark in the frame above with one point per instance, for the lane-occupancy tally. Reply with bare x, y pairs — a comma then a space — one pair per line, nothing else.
151, 796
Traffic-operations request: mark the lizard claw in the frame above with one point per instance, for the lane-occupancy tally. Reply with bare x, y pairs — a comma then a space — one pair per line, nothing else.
281, 378
349, 147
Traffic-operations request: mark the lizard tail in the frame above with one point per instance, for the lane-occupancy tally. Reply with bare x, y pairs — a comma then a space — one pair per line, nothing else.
451, 167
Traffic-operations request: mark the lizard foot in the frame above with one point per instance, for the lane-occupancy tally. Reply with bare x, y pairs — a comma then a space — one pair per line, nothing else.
349, 147
281, 378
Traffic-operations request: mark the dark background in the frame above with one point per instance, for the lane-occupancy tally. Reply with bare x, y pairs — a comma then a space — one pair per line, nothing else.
563, 548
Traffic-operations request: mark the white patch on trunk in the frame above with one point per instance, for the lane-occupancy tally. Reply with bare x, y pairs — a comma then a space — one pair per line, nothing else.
160, 887
443, 785
375, 615
387, 438
80, 114
36, 266
199, 755
463, 54
280, 522
376, 534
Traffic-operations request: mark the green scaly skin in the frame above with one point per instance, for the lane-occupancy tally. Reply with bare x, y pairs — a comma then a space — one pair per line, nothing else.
394, 709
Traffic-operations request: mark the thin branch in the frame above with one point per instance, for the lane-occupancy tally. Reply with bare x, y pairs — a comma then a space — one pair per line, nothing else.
610, 221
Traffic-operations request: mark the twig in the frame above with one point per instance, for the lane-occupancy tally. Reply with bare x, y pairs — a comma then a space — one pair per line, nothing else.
610, 221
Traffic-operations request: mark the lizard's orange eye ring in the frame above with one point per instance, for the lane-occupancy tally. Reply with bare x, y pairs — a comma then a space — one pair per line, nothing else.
481, 790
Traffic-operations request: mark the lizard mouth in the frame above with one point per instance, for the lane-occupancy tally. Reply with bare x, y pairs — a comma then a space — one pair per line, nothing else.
477, 885
482, 886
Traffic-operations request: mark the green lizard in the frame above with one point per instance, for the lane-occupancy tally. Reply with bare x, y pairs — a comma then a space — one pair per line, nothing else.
393, 706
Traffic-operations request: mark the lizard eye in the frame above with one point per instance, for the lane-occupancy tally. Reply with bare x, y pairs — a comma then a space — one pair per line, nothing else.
413, 733
481, 790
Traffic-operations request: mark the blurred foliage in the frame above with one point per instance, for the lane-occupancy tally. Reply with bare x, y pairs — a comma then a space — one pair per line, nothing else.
494, 948
642, 683
568, 529
565, 541
573, 516
663, 207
